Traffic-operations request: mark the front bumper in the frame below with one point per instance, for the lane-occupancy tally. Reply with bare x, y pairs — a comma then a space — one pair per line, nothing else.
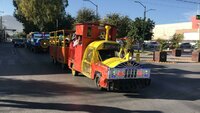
128, 84
128, 78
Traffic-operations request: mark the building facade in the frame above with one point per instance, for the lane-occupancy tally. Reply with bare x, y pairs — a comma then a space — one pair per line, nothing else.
190, 30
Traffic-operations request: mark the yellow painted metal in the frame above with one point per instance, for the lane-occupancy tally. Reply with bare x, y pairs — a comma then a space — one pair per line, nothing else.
113, 62
99, 45
53, 40
86, 64
63, 46
138, 57
107, 32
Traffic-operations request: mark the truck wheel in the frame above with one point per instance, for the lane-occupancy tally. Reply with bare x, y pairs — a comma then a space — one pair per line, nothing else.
109, 87
97, 81
74, 72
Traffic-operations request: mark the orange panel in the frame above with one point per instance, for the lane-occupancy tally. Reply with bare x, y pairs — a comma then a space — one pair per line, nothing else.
195, 23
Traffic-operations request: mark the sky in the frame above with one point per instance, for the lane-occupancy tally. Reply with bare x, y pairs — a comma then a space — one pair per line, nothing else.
165, 11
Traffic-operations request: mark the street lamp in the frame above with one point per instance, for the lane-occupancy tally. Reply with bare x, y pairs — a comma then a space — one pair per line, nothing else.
145, 11
94, 5
1, 21
1, 26
145, 8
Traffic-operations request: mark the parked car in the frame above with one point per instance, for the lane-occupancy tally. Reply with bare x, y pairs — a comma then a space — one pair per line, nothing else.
152, 45
186, 46
13, 40
19, 43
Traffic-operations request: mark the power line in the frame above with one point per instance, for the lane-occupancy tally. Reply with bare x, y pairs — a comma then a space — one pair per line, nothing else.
186, 1
167, 5
191, 2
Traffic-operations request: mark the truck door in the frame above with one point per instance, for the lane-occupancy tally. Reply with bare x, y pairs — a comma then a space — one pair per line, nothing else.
88, 58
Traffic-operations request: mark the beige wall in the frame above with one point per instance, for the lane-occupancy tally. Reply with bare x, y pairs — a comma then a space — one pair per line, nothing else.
166, 31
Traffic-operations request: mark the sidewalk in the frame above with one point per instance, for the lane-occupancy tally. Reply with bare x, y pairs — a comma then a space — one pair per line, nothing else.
186, 57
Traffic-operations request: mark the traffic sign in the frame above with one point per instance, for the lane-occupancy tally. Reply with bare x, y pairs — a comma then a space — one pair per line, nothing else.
198, 17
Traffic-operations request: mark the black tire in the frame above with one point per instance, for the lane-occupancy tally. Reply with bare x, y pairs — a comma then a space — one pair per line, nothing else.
74, 72
97, 81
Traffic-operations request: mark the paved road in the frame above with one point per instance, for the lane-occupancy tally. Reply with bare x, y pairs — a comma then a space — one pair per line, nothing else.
30, 83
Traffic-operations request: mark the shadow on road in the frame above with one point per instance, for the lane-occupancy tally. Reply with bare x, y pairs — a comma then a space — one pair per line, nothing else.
36, 88
170, 84
21, 61
69, 107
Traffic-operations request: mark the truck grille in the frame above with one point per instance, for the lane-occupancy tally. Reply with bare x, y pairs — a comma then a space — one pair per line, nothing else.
129, 70
130, 73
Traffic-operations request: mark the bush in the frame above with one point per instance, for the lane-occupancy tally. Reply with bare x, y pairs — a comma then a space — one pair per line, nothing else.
176, 39
162, 44
197, 45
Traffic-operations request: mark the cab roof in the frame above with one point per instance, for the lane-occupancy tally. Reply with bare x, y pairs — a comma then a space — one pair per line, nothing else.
99, 44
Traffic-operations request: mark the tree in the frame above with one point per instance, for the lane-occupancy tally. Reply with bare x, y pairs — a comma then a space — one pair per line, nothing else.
67, 22
121, 22
176, 39
62, 23
141, 30
162, 44
28, 26
42, 14
19, 35
86, 15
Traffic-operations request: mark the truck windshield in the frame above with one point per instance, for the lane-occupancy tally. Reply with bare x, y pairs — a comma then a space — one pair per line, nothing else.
106, 54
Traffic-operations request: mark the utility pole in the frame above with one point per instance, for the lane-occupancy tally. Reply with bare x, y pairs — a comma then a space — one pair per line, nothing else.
94, 5
57, 24
1, 21
145, 12
1, 26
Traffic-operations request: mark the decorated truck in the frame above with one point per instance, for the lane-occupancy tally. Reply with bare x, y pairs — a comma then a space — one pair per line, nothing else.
59, 46
38, 41
94, 52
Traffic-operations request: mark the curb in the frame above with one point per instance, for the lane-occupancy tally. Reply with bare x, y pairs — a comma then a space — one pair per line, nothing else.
168, 62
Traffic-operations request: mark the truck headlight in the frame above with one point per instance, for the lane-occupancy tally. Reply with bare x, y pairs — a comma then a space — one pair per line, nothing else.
118, 72
143, 73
